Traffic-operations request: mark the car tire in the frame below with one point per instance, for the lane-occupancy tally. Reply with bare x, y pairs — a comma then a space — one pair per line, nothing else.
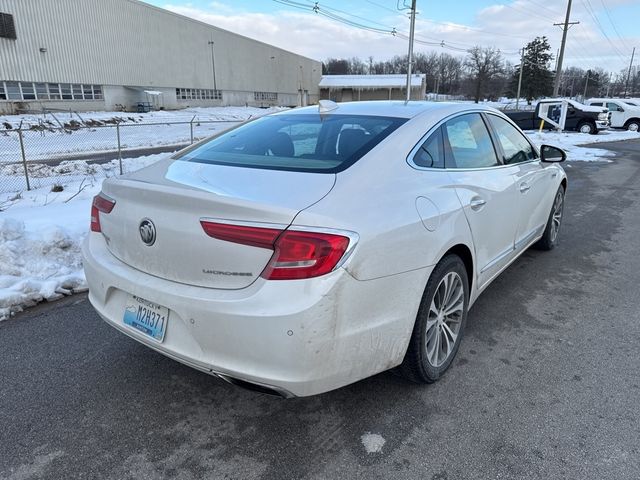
433, 332
551, 231
587, 127
633, 125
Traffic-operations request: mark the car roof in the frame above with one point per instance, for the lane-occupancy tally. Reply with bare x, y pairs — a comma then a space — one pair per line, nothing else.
398, 109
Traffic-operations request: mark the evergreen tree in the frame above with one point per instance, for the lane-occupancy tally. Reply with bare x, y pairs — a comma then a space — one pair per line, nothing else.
537, 79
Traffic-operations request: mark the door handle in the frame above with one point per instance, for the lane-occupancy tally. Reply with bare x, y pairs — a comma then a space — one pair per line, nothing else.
524, 188
477, 203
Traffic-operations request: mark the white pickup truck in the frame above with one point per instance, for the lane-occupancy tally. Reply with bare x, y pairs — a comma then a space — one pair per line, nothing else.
623, 113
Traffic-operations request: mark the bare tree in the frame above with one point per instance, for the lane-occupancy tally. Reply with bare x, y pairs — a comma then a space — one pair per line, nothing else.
449, 73
483, 65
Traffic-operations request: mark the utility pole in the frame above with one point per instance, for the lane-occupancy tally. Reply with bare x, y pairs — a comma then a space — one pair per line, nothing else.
565, 28
626, 84
410, 56
213, 66
586, 84
520, 79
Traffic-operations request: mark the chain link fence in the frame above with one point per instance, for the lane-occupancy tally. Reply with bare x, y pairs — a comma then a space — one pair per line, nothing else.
45, 156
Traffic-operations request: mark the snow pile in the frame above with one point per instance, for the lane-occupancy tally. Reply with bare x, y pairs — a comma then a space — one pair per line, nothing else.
372, 442
37, 265
40, 236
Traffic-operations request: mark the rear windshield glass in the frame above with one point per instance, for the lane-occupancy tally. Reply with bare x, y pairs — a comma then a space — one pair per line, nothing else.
298, 142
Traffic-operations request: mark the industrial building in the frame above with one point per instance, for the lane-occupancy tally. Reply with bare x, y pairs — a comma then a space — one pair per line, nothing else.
125, 54
347, 88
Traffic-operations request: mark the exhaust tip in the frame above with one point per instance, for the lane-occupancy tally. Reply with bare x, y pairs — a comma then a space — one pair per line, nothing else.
255, 387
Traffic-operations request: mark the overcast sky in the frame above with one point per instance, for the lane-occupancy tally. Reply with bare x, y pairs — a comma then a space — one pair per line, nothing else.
607, 32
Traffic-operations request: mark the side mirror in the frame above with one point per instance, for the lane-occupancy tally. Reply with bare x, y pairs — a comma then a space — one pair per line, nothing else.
552, 154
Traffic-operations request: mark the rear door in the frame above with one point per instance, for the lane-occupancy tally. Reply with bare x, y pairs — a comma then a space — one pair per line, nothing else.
533, 182
486, 190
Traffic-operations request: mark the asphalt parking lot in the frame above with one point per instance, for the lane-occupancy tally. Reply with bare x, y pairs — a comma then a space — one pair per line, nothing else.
546, 384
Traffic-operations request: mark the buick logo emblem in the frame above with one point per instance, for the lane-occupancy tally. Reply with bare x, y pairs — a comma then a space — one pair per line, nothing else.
147, 231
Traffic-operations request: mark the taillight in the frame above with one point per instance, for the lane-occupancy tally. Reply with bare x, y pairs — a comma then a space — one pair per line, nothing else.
305, 255
245, 235
297, 254
101, 203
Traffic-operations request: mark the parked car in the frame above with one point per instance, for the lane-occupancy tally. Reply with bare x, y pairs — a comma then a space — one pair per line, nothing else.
623, 113
308, 249
581, 118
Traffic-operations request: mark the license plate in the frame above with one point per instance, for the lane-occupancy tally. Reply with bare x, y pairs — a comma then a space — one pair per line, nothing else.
146, 317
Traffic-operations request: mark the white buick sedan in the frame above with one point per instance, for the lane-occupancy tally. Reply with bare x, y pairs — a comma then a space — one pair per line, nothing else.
309, 249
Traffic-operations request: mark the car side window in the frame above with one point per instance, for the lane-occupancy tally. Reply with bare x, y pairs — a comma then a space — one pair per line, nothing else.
596, 104
515, 146
468, 143
431, 152
614, 107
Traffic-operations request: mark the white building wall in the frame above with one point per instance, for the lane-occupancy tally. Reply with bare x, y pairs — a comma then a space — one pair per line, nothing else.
129, 43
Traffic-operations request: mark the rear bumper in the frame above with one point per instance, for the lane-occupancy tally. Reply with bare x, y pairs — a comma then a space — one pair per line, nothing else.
602, 125
299, 337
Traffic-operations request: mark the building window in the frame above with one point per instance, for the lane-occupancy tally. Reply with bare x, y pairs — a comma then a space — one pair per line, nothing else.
41, 91
13, 91
48, 91
77, 92
54, 91
7, 27
66, 91
265, 96
198, 94
87, 91
28, 93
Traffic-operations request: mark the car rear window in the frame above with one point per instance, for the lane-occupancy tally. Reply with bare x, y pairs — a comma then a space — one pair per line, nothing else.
296, 142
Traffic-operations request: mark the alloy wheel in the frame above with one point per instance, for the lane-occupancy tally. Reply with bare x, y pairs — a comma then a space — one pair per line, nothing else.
445, 318
556, 216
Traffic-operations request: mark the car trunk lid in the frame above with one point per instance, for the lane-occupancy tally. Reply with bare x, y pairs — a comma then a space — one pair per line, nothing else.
168, 201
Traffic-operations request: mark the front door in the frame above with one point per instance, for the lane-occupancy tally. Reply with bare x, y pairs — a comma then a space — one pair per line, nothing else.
532, 180
617, 115
486, 190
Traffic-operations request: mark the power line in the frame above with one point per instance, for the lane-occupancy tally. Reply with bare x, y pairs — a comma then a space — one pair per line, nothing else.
608, 12
452, 25
328, 12
591, 11
522, 10
539, 5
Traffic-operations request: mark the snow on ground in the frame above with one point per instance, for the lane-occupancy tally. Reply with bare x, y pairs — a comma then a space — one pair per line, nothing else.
40, 236
41, 231
159, 116
136, 130
372, 442
571, 143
